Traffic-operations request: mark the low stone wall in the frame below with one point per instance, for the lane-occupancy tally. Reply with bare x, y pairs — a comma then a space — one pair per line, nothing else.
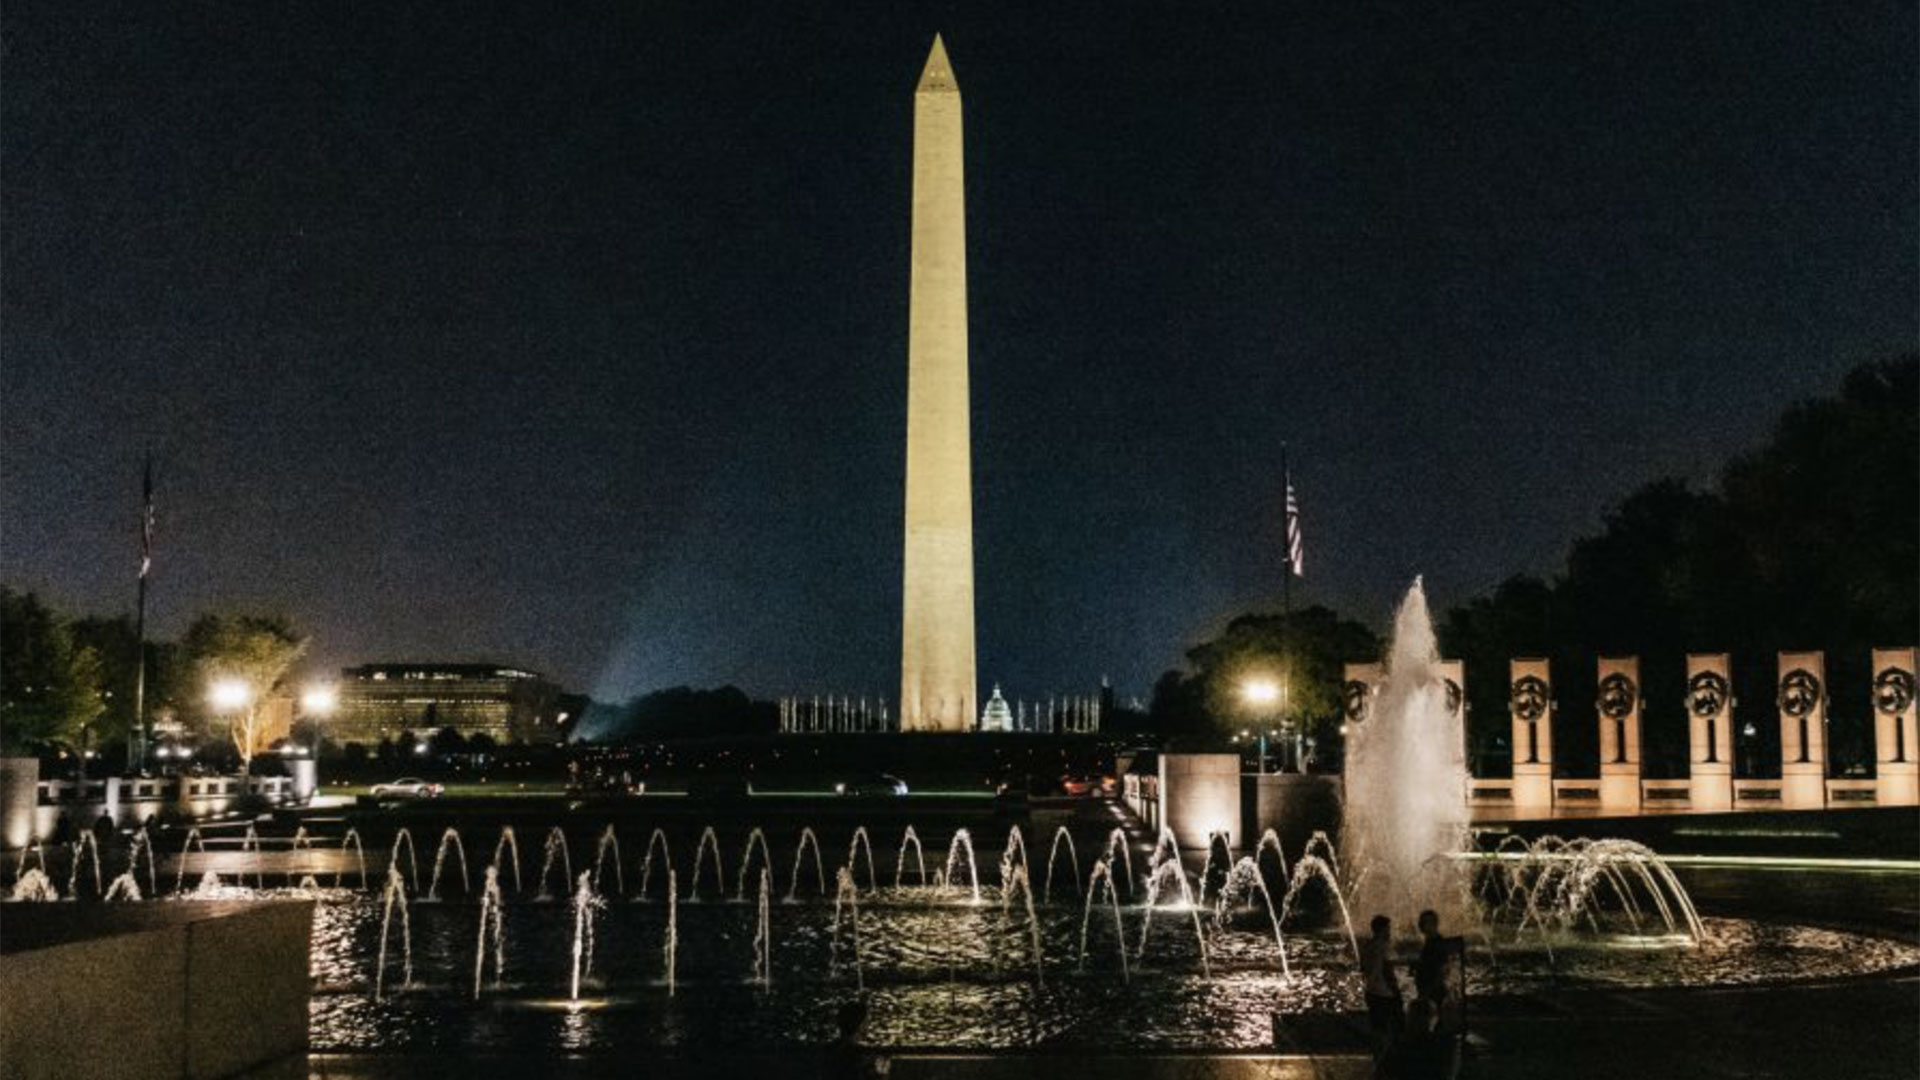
195, 990
1293, 805
33, 808
1199, 797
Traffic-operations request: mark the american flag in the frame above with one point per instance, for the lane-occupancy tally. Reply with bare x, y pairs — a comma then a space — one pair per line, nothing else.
146, 520
1294, 561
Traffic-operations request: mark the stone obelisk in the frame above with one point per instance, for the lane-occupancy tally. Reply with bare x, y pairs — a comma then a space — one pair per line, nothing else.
937, 687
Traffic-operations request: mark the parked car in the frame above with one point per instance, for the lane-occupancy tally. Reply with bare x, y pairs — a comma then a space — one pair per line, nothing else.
872, 784
407, 787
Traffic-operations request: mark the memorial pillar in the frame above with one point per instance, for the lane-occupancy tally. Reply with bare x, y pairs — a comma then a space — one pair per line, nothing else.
1802, 699
1618, 709
1530, 702
1896, 758
1709, 731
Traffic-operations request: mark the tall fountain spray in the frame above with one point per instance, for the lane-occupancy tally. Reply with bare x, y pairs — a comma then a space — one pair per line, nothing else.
1406, 784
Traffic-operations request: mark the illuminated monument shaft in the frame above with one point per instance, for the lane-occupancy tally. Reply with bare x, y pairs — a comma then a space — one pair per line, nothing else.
937, 687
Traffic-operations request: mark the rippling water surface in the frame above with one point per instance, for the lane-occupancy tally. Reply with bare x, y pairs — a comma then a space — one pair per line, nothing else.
941, 975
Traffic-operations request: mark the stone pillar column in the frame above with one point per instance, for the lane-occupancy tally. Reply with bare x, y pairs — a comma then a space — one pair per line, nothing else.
19, 800
1710, 731
1618, 710
1199, 797
1802, 700
1896, 757
1530, 702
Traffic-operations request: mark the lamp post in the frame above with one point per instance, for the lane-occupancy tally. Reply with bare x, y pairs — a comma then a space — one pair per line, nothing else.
316, 704
234, 696
1261, 694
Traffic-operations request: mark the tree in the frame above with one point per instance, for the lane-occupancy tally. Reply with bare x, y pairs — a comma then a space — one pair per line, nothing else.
253, 651
50, 692
1303, 652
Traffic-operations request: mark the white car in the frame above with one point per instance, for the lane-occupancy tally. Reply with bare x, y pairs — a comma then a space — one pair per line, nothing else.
407, 787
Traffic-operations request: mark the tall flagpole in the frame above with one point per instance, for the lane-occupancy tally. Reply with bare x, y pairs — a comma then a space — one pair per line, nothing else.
1286, 594
142, 737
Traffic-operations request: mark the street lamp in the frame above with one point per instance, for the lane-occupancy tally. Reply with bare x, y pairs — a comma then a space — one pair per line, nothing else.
317, 703
236, 696
1261, 694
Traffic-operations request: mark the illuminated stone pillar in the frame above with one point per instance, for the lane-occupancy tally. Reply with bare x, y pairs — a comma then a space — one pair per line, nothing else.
1618, 709
1802, 700
1530, 702
1896, 758
1709, 731
1358, 684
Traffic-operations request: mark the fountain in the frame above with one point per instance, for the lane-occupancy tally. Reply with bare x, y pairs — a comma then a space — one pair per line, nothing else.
143, 844
585, 905
395, 896
1102, 875
1270, 841
1213, 872
493, 932
1013, 856
671, 946
450, 838
250, 845
555, 847
83, 845
1165, 871
708, 842
807, 840
759, 838
1017, 881
659, 840
299, 843
1307, 870
1117, 841
36, 852
1053, 853
34, 886
352, 839
962, 843
609, 841
509, 844
854, 847
900, 860
413, 862
846, 897
1406, 782
123, 888
180, 872
763, 934
1242, 882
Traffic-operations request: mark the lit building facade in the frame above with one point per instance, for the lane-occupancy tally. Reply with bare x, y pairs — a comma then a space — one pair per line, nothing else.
507, 704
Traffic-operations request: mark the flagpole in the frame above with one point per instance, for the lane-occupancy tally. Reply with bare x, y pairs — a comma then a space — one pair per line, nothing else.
142, 738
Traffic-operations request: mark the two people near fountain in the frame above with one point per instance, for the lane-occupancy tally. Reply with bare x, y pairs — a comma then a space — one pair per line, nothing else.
1413, 1041
1385, 1017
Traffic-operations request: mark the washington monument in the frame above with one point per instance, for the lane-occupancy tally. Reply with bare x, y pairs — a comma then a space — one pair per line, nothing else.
937, 687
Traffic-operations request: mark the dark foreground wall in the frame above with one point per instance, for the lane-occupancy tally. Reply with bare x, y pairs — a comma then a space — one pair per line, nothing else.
190, 989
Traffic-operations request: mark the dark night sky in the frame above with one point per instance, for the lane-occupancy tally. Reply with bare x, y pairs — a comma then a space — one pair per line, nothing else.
580, 341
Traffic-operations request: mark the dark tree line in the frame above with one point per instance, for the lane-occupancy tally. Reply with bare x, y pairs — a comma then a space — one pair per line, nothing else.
1811, 542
